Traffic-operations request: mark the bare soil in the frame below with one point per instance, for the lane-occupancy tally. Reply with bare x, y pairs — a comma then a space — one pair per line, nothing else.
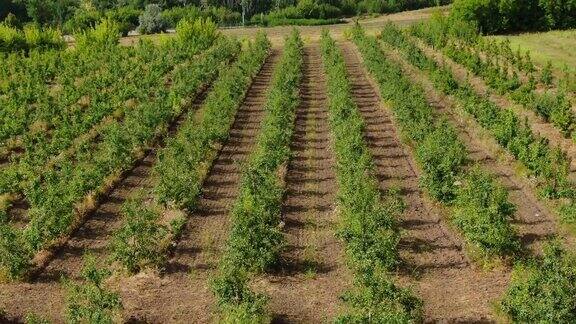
313, 275
183, 293
435, 266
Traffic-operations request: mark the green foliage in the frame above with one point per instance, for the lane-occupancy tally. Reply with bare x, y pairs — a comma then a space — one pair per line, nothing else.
138, 243
151, 20
548, 164
440, 154
82, 20
11, 20
546, 74
32, 37
183, 162
220, 15
237, 303
10, 39
46, 38
379, 300
493, 16
136, 82
542, 291
483, 213
125, 17
369, 226
104, 35
90, 301
14, 254
200, 32
556, 108
255, 239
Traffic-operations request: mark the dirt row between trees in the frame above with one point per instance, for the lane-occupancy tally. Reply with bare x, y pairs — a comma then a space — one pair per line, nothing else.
452, 288
183, 293
313, 274
533, 221
537, 124
44, 294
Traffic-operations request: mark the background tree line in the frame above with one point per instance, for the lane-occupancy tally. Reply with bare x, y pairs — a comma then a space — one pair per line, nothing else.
497, 16
58, 12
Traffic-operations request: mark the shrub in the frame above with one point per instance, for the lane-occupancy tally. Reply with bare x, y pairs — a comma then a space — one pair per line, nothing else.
546, 74
199, 33
441, 156
125, 17
82, 20
255, 239
104, 35
542, 291
381, 301
90, 301
483, 213
237, 303
138, 244
11, 20
494, 16
14, 254
369, 227
11, 40
174, 15
42, 39
151, 20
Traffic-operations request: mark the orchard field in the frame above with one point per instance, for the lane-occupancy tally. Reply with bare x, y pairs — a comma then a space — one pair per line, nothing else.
403, 169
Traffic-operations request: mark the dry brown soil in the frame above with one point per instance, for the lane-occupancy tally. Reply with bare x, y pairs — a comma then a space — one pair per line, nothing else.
452, 288
313, 275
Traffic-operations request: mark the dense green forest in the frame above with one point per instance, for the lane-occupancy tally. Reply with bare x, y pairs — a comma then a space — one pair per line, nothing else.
73, 15
496, 16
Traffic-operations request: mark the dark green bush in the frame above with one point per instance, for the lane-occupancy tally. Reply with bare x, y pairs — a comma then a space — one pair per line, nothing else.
82, 20
543, 291
483, 213
90, 301
493, 16
127, 18
138, 244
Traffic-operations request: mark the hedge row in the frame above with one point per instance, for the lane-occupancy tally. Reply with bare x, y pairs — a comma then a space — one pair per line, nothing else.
369, 224
256, 240
549, 164
72, 187
481, 209
183, 163
465, 49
